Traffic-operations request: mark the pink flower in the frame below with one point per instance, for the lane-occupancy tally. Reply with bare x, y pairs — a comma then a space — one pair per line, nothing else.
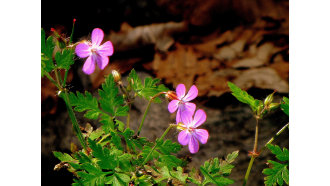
185, 109
190, 135
95, 52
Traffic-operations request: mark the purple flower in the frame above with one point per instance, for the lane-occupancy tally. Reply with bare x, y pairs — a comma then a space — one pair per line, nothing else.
190, 135
185, 109
95, 52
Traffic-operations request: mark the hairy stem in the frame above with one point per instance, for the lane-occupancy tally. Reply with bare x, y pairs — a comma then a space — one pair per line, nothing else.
128, 116
51, 79
274, 137
254, 152
58, 78
248, 170
74, 121
160, 139
255, 146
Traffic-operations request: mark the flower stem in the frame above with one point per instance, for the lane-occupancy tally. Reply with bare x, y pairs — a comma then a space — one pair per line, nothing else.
263, 148
248, 170
160, 139
255, 146
274, 137
146, 111
51, 79
65, 77
74, 120
58, 78
128, 116
254, 152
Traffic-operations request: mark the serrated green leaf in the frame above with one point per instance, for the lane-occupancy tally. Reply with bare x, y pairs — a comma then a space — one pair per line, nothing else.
90, 179
285, 105
107, 122
85, 102
280, 155
110, 101
232, 156
64, 58
216, 171
135, 81
149, 89
277, 171
244, 97
120, 125
105, 159
47, 48
63, 156
276, 174
118, 179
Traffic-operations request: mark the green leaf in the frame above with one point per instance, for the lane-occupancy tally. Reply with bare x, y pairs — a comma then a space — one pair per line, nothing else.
118, 179
92, 178
278, 172
85, 102
47, 48
110, 101
133, 141
64, 59
285, 105
149, 89
244, 97
96, 134
107, 122
216, 171
134, 81
280, 155
105, 159
63, 156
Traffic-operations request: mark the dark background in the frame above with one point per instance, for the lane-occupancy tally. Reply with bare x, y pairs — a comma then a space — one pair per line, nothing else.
230, 123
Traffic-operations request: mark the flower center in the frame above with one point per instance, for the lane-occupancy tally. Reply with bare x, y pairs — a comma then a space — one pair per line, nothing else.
181, 126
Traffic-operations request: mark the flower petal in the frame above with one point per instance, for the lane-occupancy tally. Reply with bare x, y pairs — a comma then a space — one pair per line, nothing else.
202, 135
186, 117
89, 66
193, 145
184, 137
178, 117
173, 106
102, 61
83, 50
97, 36
106, 49
192, 94
199, 118
180, 91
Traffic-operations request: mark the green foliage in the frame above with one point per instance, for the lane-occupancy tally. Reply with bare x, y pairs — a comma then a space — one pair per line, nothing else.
149, 89
244, 97
110, 101
278, 173
64, 58
64, 157
216, 171
163, 153
47, 48
285, 105
85, 102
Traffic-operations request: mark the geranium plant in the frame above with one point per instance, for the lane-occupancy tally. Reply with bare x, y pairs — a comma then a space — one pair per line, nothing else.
114, 154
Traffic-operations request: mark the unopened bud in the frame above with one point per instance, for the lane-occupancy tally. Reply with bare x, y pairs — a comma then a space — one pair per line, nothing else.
74, 20
269, 99
273, 106
116, 76
171, 95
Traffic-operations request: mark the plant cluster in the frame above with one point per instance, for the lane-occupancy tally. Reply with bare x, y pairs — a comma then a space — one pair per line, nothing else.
114, 154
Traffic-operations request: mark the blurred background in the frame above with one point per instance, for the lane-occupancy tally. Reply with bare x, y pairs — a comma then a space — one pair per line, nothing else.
205, 43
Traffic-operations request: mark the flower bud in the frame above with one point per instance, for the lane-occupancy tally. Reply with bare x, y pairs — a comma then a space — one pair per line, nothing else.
273, 106
171, 95
116, 76
269, 99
